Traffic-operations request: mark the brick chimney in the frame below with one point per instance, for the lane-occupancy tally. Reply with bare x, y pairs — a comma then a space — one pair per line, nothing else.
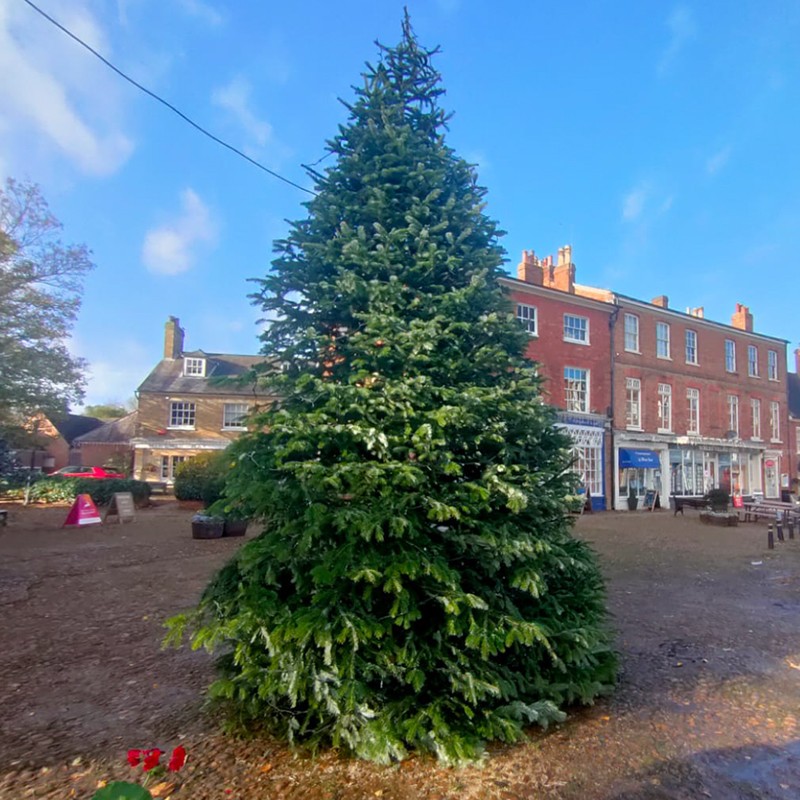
696, 312
662, 300
529, 269
742, 318
562, 276
797, 360
173, 338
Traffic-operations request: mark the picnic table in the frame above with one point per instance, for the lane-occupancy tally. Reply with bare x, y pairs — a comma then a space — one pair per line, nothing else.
769, 510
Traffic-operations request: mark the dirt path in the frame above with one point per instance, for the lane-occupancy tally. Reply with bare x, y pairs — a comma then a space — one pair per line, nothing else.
708, 703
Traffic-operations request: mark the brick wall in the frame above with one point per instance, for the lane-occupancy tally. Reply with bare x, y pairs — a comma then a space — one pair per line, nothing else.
553, 353
154, 415
710, 376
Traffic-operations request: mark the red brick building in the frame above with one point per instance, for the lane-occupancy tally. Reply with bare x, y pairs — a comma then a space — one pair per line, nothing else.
570, 340
657, 399
697, 404
794, 423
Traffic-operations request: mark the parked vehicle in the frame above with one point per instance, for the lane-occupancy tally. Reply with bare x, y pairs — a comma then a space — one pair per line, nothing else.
87, 472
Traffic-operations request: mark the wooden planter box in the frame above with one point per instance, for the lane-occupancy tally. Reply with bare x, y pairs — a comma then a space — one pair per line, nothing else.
235, 527
726, 519
209, 528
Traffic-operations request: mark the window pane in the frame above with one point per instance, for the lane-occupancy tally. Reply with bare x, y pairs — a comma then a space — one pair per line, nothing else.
181, 415
691, 347
527, 316
662, 340
576, 328
233, 415
576, 389
632, 332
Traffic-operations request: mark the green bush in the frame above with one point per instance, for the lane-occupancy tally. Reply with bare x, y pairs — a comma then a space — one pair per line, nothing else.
60, 490
202, 478
718, 499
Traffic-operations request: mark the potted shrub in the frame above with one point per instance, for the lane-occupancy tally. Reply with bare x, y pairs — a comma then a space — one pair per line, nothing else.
206, 526
718, 499
633, 499
235, 519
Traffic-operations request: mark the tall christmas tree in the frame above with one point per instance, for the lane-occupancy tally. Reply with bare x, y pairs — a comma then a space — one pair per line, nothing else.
416, 583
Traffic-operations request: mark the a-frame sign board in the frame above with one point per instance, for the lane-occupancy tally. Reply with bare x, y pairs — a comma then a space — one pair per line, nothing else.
122, 505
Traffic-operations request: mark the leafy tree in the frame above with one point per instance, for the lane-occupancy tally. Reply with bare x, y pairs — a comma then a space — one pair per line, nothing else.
106, 411
41, 282
416, 583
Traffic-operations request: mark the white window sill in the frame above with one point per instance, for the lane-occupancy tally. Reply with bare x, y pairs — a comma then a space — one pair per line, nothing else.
635, 352
750, 375
774, 380
665, 430
692, 363
577, 341
664, 358
180, 427
634, 428
692, 433
233, 428
776, 441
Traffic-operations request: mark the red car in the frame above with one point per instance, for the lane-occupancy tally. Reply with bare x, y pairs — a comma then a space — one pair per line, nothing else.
87, 472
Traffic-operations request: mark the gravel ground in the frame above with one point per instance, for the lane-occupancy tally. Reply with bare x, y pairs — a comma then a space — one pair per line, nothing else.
707, 705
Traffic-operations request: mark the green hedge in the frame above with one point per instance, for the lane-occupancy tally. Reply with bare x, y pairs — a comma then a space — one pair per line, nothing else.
57, 490
202, 477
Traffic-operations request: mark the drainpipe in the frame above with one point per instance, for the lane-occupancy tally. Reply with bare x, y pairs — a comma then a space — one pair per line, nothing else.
612, 322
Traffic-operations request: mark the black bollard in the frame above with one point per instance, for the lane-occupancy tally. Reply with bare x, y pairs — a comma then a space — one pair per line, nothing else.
790, 525
770, 539
779, 527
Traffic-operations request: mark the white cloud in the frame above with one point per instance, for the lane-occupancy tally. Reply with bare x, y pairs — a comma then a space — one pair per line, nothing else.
55, 97
682, 29
718, 160
114, 379
171, 249
235, 98
203, 11
633, 203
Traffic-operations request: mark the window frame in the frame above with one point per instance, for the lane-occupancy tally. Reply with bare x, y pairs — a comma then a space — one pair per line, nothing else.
664, 404
228, 427
629, 405
665, 341
696, 360
733, 413
586, 380
752, 361
191, 365
775, 422
190, 410
772, 365
525, 321
755, 411
693, 410
573, 340
635, 319
730, 355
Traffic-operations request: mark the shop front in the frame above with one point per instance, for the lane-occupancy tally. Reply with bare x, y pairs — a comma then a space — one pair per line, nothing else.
639, 472
737, 467
587, 433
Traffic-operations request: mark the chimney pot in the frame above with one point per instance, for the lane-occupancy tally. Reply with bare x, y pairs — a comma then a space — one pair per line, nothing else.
662, 300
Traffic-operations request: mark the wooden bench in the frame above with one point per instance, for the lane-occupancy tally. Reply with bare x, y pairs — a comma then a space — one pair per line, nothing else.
681, 501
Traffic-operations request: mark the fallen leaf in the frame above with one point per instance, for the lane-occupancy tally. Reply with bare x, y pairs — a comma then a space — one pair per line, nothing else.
161, 789
266, 768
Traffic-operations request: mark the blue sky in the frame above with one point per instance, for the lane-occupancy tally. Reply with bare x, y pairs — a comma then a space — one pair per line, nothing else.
661, 140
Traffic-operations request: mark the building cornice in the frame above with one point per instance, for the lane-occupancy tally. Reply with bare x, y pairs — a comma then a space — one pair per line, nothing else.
556, 294
624, 302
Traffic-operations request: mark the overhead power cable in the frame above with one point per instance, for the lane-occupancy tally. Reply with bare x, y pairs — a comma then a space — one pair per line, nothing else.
165, 102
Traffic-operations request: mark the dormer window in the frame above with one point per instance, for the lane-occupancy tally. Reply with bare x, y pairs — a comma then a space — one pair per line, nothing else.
194, 367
